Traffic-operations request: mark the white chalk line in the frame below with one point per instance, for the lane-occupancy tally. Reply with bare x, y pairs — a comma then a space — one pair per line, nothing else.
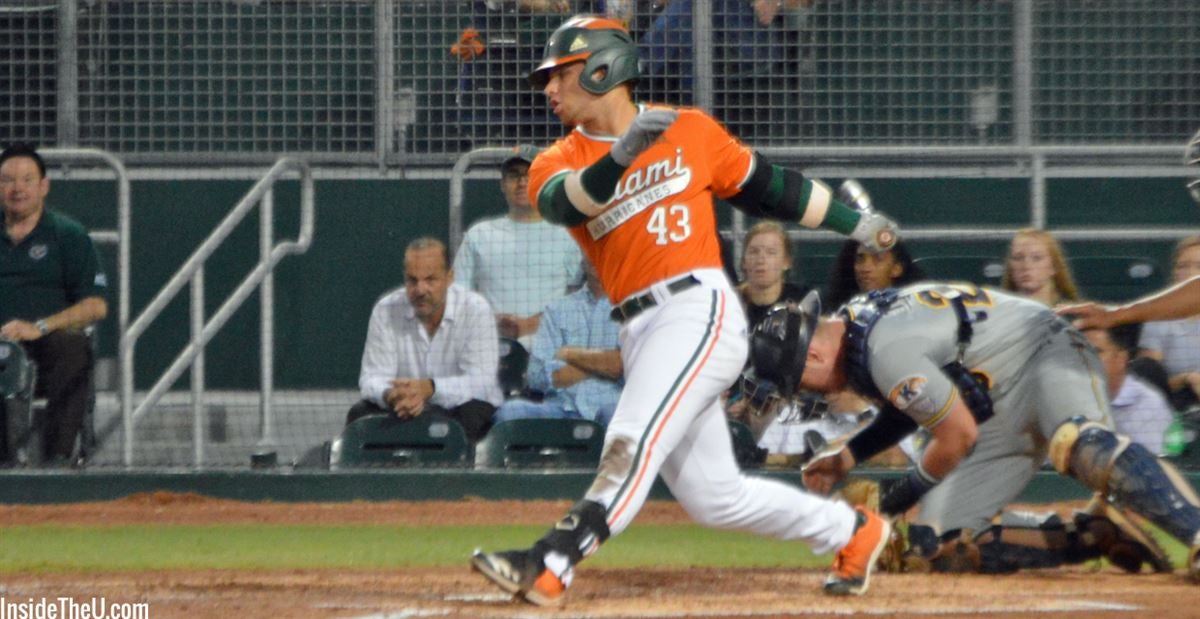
516, 611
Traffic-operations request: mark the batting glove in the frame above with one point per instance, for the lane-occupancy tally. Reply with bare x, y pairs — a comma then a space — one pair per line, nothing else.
641, 134
875, 231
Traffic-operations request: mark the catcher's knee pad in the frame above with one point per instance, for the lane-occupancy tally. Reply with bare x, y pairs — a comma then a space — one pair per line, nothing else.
579, 533
1101, 447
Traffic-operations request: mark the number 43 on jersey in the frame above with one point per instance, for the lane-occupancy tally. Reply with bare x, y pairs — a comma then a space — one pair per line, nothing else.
669, 224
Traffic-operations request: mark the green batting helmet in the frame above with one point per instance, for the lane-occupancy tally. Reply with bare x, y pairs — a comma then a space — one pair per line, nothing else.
599, 42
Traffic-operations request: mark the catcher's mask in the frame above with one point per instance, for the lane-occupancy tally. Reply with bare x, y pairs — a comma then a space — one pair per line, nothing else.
601, 43
1193, 159
779, 344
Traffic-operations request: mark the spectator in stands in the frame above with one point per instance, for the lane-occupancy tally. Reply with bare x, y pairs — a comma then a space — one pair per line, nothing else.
1036, 267
575, 361
754, 57
1176, 343
766, 260
518, 262
857, 270
1139, 410
51, 289
431, 348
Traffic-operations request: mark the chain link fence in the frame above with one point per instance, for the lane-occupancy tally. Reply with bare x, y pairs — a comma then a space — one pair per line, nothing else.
409, 82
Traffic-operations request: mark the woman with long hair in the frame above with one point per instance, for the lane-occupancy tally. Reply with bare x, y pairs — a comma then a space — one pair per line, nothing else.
857, 270
1036, 268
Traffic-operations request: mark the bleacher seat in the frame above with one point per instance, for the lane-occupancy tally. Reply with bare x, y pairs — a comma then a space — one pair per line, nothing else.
573, 443
979, 270
384, 441
17, 378
1115, 278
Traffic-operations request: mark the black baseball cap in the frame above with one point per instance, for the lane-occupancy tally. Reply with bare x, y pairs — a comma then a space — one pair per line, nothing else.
522, 153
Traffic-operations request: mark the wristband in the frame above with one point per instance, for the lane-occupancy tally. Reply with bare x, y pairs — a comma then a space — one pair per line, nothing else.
42, 327
900, 495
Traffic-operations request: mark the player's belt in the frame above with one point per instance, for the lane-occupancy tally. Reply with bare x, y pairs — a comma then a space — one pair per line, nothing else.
636, 305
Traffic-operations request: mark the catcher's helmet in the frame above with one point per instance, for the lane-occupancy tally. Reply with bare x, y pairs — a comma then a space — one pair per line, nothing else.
601, 43
779, 344
1193, 159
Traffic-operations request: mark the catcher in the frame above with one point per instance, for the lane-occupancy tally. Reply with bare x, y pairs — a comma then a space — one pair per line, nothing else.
999, 382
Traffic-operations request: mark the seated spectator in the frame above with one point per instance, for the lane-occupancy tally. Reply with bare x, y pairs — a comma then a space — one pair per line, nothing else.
1176, 343
857, 270
754, 47
575, 361
431, 348
1037, 268
518, 262
1139, 410
51, 288
766, 259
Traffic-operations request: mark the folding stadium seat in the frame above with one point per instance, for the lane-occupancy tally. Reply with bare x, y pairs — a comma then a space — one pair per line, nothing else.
17, 378
1116, 278
979, 270
514, 360
569, 443
384, 441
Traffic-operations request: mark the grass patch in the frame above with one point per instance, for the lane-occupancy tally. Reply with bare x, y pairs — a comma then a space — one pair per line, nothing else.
53, 548
50, 548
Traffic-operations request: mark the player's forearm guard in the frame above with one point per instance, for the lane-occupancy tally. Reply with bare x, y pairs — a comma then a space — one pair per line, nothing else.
775, 192
888, 428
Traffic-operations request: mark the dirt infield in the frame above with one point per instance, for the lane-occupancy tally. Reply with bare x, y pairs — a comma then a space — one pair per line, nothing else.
1083, 591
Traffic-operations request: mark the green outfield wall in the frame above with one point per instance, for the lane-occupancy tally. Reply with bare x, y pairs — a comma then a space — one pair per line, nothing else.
397, 484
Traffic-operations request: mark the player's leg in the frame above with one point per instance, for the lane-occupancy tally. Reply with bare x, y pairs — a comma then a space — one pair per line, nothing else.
1082, 443
960, 509
678, 357
704, 477
1004, 459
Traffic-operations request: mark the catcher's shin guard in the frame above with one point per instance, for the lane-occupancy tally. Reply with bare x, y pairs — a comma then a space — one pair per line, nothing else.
1127, 473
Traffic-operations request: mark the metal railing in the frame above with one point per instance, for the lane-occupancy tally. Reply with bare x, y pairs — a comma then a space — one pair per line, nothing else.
119, 235
192, 271
1035, 163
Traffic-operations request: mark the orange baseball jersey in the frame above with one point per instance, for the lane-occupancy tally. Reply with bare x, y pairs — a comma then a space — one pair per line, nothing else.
660, 222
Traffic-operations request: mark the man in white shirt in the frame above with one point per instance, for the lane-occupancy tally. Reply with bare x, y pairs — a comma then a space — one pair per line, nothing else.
1139, 410
518, 262
431, 348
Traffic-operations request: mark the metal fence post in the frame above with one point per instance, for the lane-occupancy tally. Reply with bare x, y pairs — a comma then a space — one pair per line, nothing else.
67, 83
384, 100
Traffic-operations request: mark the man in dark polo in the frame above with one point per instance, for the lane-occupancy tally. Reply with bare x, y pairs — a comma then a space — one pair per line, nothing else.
51, 288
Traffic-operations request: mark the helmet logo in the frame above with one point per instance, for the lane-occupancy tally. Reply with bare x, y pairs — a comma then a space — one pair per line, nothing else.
578, 44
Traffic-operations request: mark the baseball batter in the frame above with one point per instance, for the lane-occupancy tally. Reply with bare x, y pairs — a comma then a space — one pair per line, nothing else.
635, 185
1000, 382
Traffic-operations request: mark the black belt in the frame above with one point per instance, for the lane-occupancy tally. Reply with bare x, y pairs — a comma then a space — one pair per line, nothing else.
636, 305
